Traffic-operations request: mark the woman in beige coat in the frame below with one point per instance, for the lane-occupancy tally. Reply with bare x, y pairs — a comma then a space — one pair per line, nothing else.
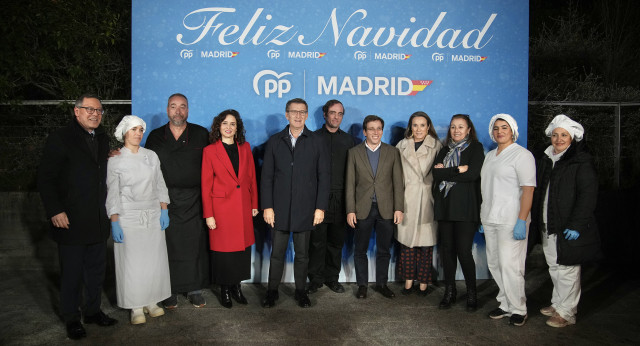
417, 232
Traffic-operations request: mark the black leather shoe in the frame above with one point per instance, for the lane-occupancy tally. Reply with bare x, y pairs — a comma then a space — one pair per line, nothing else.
270, 300
236, 294
425, 292
362, 292
449, 297
335, 286
101, 319
313, 287
303, 299
406, 291
75, 330
225, 296
171, 302
385, 291
472, 300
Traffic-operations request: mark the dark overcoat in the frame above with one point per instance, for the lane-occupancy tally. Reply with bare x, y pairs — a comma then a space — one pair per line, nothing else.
573, 192
464, 198
295, 182
72, 179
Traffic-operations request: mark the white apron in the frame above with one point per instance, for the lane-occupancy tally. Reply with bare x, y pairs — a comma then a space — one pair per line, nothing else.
135, 190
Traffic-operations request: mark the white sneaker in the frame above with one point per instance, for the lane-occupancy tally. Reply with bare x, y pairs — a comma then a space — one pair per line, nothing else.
137, 316
548, 311
558, 321
153, 310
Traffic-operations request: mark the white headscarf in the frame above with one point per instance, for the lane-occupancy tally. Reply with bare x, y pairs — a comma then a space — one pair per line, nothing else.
509, 119
573, 127
126, 124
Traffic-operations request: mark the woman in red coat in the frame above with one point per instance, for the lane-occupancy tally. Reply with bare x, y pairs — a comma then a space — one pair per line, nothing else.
229, 200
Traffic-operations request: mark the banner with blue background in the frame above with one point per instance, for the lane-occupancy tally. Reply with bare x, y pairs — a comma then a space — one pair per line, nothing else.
387, 57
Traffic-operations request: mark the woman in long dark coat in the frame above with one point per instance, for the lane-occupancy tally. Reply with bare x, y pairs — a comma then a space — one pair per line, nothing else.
457, 200
563, 211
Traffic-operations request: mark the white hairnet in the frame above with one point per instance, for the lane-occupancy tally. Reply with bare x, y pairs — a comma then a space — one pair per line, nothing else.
509, 119
573, 127
126, 124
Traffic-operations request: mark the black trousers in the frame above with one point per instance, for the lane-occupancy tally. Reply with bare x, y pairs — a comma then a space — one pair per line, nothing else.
81, 265
325, 252
456, 241
362, 235
280, 241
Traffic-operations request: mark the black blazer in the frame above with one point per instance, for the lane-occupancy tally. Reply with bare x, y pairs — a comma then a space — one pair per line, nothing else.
72, 180
295, 182
573, 193
464, 198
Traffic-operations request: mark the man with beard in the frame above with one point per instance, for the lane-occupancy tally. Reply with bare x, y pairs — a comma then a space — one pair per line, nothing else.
327, 240
179, 146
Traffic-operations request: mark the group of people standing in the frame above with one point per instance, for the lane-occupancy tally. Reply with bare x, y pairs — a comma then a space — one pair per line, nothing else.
182, 209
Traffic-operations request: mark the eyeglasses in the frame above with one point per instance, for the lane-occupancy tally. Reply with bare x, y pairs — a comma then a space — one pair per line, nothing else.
298, 113
91, 110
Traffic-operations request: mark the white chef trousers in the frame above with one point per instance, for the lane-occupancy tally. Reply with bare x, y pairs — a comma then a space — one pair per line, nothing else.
506, 258
566, 280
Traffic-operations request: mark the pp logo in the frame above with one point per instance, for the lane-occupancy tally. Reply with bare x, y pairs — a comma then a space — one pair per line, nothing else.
272, 85
186, 54
437, 57
273, 54
360, 55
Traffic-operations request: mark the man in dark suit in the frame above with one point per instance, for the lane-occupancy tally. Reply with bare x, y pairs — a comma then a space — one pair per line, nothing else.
294, 188
72, 185
374, 198
327, 240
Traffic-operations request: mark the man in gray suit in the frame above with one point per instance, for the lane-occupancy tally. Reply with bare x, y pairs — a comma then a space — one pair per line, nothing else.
374, 198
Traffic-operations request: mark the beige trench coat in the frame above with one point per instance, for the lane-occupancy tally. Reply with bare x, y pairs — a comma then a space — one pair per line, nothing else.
418, 228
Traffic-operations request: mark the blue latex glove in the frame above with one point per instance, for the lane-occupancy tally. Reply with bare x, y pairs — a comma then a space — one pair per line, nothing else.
481, 229
164, 219
570, 234
116, 232
520, 230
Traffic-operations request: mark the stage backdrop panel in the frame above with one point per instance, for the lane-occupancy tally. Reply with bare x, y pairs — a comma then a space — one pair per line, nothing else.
389, 58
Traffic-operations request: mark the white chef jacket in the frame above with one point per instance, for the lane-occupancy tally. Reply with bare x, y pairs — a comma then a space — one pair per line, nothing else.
501, 178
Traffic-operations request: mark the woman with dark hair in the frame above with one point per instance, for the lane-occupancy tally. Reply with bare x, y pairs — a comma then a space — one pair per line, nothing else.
456, 172
508, 179
417, 232
229, 200
563, 206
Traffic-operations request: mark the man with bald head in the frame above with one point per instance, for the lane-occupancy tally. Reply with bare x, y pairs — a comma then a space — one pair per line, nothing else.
179, 146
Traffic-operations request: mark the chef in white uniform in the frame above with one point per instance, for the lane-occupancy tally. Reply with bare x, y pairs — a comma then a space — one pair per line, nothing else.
137, 200
508, 179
